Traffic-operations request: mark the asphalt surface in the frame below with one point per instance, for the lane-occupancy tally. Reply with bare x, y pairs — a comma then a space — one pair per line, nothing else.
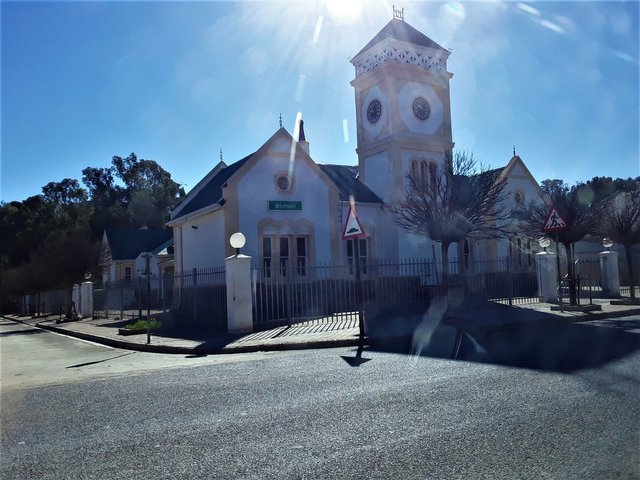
523, 404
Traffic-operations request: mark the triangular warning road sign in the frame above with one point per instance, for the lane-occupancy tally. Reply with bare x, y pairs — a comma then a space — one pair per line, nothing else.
554, 222
352, 228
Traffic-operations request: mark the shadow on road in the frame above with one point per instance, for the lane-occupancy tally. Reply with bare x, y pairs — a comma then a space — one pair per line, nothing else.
21, 332
80, 365
559, 348
510, 336
562, 348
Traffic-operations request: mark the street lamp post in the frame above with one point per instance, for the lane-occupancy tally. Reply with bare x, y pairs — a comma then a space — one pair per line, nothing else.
237, 241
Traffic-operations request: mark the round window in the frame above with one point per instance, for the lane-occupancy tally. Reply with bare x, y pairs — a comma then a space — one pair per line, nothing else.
283, 182
519, 198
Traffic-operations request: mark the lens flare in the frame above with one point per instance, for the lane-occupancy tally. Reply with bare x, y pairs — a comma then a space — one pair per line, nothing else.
344, 11
296, 132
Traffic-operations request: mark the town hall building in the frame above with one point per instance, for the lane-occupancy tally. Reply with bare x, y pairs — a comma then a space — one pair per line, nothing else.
292, 209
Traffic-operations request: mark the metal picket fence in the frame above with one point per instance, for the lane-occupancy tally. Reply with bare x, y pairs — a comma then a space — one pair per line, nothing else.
625, 278
508, 280
287, 294
200, 297
52, 302
126, 299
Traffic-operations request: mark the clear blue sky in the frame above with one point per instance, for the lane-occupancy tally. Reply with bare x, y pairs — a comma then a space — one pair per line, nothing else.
175, 82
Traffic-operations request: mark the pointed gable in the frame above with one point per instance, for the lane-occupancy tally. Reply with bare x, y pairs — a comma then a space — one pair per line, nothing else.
209, 193
280, 143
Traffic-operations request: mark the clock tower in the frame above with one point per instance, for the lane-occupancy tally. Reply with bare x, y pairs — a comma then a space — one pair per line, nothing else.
403, 113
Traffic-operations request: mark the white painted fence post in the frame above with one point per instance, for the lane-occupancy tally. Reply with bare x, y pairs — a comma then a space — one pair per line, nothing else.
547, 273
86, 300
239, 300
609, 274
75, 297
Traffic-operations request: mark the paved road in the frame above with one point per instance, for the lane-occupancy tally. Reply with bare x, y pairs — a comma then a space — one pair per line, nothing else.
34, 356
506, 414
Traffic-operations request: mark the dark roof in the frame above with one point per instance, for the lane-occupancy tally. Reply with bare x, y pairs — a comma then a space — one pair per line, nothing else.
166, 246
493, 174
211, 193
400, 30
345, 179
127, 244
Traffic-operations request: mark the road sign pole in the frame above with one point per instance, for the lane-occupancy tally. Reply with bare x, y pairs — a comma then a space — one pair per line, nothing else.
554, 223
353, 231
558, 269
359, 295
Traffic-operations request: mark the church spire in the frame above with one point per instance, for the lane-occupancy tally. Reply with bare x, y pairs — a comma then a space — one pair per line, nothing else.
302, 140
301, 137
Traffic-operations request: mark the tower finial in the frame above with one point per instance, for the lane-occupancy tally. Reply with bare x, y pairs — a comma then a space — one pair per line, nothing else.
398, 13
301, 136
221, 154
280, 120
514, 150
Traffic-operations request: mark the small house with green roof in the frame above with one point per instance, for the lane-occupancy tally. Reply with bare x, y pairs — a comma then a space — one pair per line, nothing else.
123, 253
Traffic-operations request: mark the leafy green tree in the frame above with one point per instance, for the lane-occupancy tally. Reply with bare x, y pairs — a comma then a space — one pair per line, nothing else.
50, 240
600, 188
65, 192
131, 193
23, 227
108, 200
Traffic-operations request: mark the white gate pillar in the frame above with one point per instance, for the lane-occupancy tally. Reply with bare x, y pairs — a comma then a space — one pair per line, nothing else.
75, 297
609, 274
239, 298
547, 273
86, 300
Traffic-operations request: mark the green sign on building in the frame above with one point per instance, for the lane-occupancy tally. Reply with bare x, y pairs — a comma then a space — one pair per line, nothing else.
285, 205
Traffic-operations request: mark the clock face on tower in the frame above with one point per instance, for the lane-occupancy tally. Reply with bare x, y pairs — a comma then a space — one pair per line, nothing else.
374, 110
421, 108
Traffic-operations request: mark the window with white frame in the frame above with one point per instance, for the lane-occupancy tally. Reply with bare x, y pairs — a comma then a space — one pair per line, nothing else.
128, 274
467, 253
363, 246
282, 252
423, 171
521, 251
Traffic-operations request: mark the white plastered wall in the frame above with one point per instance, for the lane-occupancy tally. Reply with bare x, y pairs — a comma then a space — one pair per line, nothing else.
258, 186
199, 242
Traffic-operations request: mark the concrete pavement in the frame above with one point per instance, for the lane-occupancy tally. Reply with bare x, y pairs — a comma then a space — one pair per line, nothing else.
327, 333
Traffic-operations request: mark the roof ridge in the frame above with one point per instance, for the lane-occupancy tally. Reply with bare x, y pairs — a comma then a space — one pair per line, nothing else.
402, 31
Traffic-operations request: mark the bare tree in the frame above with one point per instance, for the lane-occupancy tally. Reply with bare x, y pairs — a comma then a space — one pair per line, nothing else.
619, 219
575, 207
453, 201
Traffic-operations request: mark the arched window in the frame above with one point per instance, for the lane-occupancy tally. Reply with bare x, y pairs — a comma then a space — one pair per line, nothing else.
432, 172
423, 172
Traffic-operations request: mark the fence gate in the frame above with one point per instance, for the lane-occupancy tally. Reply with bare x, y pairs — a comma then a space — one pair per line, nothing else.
200, 298
286, 294
507, 280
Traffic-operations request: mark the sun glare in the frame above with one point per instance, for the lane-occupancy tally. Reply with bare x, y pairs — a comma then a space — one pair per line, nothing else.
344, 11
